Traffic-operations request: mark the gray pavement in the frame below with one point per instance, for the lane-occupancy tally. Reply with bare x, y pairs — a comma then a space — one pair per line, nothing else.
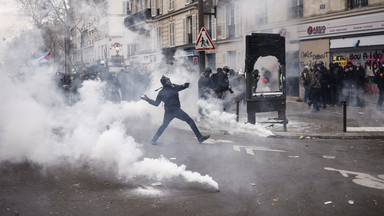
362, 122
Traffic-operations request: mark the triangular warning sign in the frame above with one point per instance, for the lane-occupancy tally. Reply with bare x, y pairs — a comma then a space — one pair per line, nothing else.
204, 41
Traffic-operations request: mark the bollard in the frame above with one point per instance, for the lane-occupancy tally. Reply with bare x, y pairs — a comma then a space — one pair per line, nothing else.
344, 116
237, 110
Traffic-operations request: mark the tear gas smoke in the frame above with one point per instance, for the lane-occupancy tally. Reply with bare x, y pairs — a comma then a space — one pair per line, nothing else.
38, 126
216, 118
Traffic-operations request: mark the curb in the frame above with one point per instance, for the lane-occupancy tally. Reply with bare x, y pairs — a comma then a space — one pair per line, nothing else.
344, 136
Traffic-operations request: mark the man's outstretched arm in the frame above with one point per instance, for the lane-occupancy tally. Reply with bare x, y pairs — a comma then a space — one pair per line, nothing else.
150, 101
182, 87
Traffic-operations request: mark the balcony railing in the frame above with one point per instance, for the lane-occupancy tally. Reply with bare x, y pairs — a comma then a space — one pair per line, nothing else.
352, 4
138, 17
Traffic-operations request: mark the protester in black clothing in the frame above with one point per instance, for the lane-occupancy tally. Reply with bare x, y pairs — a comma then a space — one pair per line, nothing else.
205, 87
379, 79
333, 78
324, 82
360, 81
305, 80
66, 82
349, 84
169, 94
205, 84
315, 90
339, 72
221, 82
256, 78
239, 82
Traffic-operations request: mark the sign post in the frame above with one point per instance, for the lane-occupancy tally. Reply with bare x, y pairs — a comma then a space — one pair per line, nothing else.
204, 42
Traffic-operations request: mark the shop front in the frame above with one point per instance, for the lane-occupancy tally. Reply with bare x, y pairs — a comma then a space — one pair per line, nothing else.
359, 39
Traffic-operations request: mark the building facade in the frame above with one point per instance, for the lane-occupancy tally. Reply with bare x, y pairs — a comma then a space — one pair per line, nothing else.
169, 28
342, 31
154, 30
101, 38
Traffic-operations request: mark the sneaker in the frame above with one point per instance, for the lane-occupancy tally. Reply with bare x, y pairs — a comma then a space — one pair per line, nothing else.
203, 138
153, 142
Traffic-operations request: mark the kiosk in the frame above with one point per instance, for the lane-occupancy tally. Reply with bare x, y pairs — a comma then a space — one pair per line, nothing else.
262, 45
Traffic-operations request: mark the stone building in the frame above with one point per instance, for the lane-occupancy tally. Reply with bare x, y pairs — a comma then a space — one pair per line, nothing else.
326, 30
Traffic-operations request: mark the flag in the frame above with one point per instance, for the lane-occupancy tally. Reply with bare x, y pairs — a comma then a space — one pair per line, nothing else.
43, 59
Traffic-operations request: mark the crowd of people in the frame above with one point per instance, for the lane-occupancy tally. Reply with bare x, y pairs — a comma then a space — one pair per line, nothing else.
222, 85
113, 91
337, 84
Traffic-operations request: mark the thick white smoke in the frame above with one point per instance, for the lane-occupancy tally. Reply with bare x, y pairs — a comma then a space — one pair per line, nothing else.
215, 117
36, 125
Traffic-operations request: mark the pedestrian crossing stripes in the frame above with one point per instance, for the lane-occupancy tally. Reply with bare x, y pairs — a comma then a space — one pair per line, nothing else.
365, 129
250, 149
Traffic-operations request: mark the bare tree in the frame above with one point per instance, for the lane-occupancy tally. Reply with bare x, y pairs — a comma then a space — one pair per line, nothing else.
60, 16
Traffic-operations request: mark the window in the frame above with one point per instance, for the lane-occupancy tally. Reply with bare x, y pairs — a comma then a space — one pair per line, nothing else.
129, 49
239, 62
171, 4
237, 20
262, 17
224, 25
159, 35
184, 30
160, 4
224, 58
189, 1
172, 34
147, 40
194, 28
211, 27
296, 9
127, 5
153, 8
352, 4
214, 29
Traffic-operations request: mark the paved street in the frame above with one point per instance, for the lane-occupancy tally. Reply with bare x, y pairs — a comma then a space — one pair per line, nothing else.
256, 176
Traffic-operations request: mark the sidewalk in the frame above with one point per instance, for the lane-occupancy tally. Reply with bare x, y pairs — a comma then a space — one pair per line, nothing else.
362, 123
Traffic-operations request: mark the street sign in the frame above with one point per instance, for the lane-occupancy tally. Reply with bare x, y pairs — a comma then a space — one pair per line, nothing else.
204, 41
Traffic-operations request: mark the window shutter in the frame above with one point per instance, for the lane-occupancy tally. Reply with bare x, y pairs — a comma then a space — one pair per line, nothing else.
194, 28
184, 30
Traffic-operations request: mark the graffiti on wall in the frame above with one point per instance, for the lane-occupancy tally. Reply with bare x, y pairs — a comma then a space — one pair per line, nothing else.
371, 61
311, 57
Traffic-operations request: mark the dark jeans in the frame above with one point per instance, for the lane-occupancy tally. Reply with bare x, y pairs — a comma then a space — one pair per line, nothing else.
169, 115
324, 95
315, 98
334, 94
306, 93
255, 81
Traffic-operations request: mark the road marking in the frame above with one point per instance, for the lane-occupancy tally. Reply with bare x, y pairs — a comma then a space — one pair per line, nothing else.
250, 149
362, 178
365, 129
212, 141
